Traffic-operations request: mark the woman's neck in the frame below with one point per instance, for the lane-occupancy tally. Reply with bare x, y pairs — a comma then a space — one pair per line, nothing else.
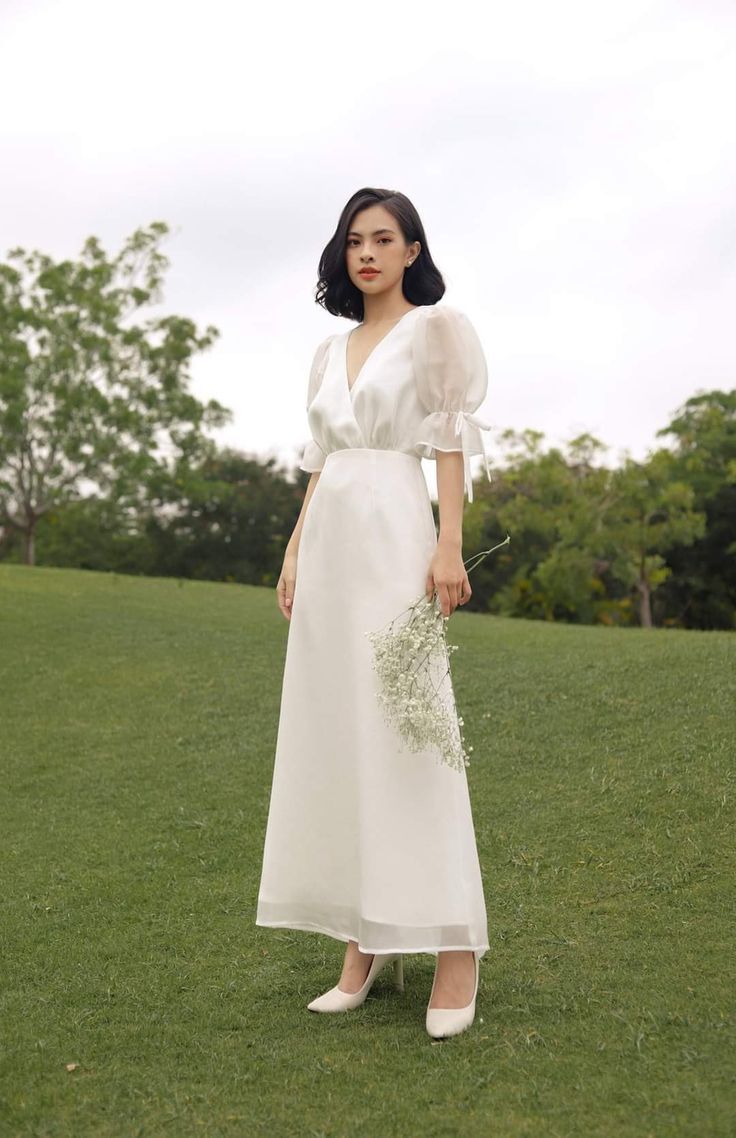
384, 309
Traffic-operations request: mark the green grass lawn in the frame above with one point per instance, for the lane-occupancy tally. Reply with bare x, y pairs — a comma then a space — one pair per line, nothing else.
138, 724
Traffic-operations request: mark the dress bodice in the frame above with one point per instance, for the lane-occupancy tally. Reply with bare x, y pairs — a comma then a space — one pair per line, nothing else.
416, 392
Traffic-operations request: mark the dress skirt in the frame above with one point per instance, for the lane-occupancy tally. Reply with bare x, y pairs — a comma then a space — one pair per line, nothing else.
365, 840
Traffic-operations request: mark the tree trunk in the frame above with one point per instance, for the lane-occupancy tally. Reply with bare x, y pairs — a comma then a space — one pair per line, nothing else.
645, 604
29, 540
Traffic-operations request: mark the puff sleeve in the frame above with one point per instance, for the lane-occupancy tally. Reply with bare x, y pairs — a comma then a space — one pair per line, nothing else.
313, 458
452, 381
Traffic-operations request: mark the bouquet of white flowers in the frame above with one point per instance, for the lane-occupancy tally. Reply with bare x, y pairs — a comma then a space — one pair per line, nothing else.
411, 660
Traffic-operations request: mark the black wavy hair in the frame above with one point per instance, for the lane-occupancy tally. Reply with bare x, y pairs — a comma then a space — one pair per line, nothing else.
422, 282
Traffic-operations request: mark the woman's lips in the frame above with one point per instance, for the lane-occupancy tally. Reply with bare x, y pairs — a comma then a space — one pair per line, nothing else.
368, 273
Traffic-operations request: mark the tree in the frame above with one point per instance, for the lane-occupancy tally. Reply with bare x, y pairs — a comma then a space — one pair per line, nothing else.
227, 518
87, 394
652, 512
553, 505
587, 540
702, 590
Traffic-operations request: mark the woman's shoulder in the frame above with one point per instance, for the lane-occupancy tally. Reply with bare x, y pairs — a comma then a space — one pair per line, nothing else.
322, 350
445, 337
442, 313
445, 324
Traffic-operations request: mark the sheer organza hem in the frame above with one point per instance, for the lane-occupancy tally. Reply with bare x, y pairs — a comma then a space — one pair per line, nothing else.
454, 431
344, 924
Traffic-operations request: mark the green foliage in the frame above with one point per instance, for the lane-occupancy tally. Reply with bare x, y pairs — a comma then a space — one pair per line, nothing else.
588, 543
702, 588
650, 513
91, 533
228, 518
91, 395
705, 433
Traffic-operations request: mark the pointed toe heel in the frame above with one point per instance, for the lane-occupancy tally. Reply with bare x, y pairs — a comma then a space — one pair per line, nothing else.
442, 1022
335, 1000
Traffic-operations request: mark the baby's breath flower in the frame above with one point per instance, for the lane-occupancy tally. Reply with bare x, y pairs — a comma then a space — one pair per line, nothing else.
411, 660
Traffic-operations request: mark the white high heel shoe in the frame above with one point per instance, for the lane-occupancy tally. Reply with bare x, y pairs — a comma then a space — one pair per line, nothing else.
335, 1000
451, 1021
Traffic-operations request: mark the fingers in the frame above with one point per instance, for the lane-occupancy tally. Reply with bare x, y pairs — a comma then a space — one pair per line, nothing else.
448, 599
452, 595
285, 596
446, 594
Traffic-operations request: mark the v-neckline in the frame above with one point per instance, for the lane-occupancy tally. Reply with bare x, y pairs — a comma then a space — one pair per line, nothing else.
371, 352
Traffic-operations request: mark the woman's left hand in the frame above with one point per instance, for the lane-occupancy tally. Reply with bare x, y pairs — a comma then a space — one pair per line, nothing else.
448, 577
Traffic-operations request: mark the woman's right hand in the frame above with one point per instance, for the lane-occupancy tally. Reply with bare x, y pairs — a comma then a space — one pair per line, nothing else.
286, 583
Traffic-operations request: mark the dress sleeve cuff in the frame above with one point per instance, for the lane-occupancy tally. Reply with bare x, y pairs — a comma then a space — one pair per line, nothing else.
453, 431
313, 458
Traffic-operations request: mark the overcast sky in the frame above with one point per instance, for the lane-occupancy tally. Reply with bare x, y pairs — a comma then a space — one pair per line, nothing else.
573, 164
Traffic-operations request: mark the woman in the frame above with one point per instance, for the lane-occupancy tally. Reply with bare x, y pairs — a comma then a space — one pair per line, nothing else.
366, 842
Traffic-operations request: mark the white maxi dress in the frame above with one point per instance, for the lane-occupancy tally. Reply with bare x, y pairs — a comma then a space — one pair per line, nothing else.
366, 840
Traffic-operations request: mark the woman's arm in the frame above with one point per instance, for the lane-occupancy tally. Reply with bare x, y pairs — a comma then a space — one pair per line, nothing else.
287, 579
447, 573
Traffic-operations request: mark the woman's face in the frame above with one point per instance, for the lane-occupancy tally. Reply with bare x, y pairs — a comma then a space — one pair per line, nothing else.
375, 241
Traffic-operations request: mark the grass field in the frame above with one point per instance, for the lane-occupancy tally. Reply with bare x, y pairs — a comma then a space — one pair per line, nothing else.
138, 723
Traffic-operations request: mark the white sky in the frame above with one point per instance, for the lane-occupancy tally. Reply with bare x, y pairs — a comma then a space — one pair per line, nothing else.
573, 164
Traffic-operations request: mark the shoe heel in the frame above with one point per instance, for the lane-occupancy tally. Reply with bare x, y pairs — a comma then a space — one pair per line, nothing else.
335, 1000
